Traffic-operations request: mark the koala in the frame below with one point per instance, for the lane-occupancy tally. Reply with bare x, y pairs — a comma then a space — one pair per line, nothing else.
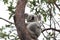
33, 26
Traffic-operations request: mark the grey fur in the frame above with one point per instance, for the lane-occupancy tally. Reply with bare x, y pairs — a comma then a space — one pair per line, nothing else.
33, 26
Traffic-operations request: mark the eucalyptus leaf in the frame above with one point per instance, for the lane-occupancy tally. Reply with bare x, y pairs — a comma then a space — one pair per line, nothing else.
5, 1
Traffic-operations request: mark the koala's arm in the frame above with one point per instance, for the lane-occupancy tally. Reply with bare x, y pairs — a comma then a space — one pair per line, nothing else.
34, 30
25, 15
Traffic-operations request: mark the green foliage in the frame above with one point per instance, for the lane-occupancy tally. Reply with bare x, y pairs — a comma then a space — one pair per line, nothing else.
11, 9
45, 17
2, 35
10, 29
36, 7
5, 1
8, 25
8, 34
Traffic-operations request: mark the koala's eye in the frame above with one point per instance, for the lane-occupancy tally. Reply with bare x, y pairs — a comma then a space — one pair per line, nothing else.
38, 27
32, 18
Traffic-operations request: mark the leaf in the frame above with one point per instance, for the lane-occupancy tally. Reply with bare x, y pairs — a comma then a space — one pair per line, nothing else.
11, 7
5, 1
58, 0
32, 9
11, 15
54, 10
45, 18
37, 1
59, 14
34, 2
42, 1
2, 35
7, 25
12, 36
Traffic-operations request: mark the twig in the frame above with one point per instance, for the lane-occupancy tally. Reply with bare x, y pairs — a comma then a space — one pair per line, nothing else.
42, 32
57, 6
54, 31
6, 20
56, 22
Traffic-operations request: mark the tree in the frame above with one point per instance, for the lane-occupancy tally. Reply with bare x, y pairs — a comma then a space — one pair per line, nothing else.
37, 7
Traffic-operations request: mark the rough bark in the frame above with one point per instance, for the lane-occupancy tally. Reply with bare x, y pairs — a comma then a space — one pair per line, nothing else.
20, 20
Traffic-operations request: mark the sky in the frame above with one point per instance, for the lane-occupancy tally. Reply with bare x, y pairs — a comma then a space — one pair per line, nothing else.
3, 13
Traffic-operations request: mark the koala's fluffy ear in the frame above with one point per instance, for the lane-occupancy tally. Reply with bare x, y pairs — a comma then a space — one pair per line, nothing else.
39, 17
26, 15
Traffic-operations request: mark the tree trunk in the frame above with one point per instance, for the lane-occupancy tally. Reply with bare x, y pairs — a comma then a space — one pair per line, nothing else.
20, 20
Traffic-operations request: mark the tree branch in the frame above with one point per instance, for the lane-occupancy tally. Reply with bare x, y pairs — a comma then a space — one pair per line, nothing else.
6, 20
51, 29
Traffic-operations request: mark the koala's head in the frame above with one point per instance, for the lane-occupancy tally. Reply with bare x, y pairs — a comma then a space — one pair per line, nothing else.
32, 18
